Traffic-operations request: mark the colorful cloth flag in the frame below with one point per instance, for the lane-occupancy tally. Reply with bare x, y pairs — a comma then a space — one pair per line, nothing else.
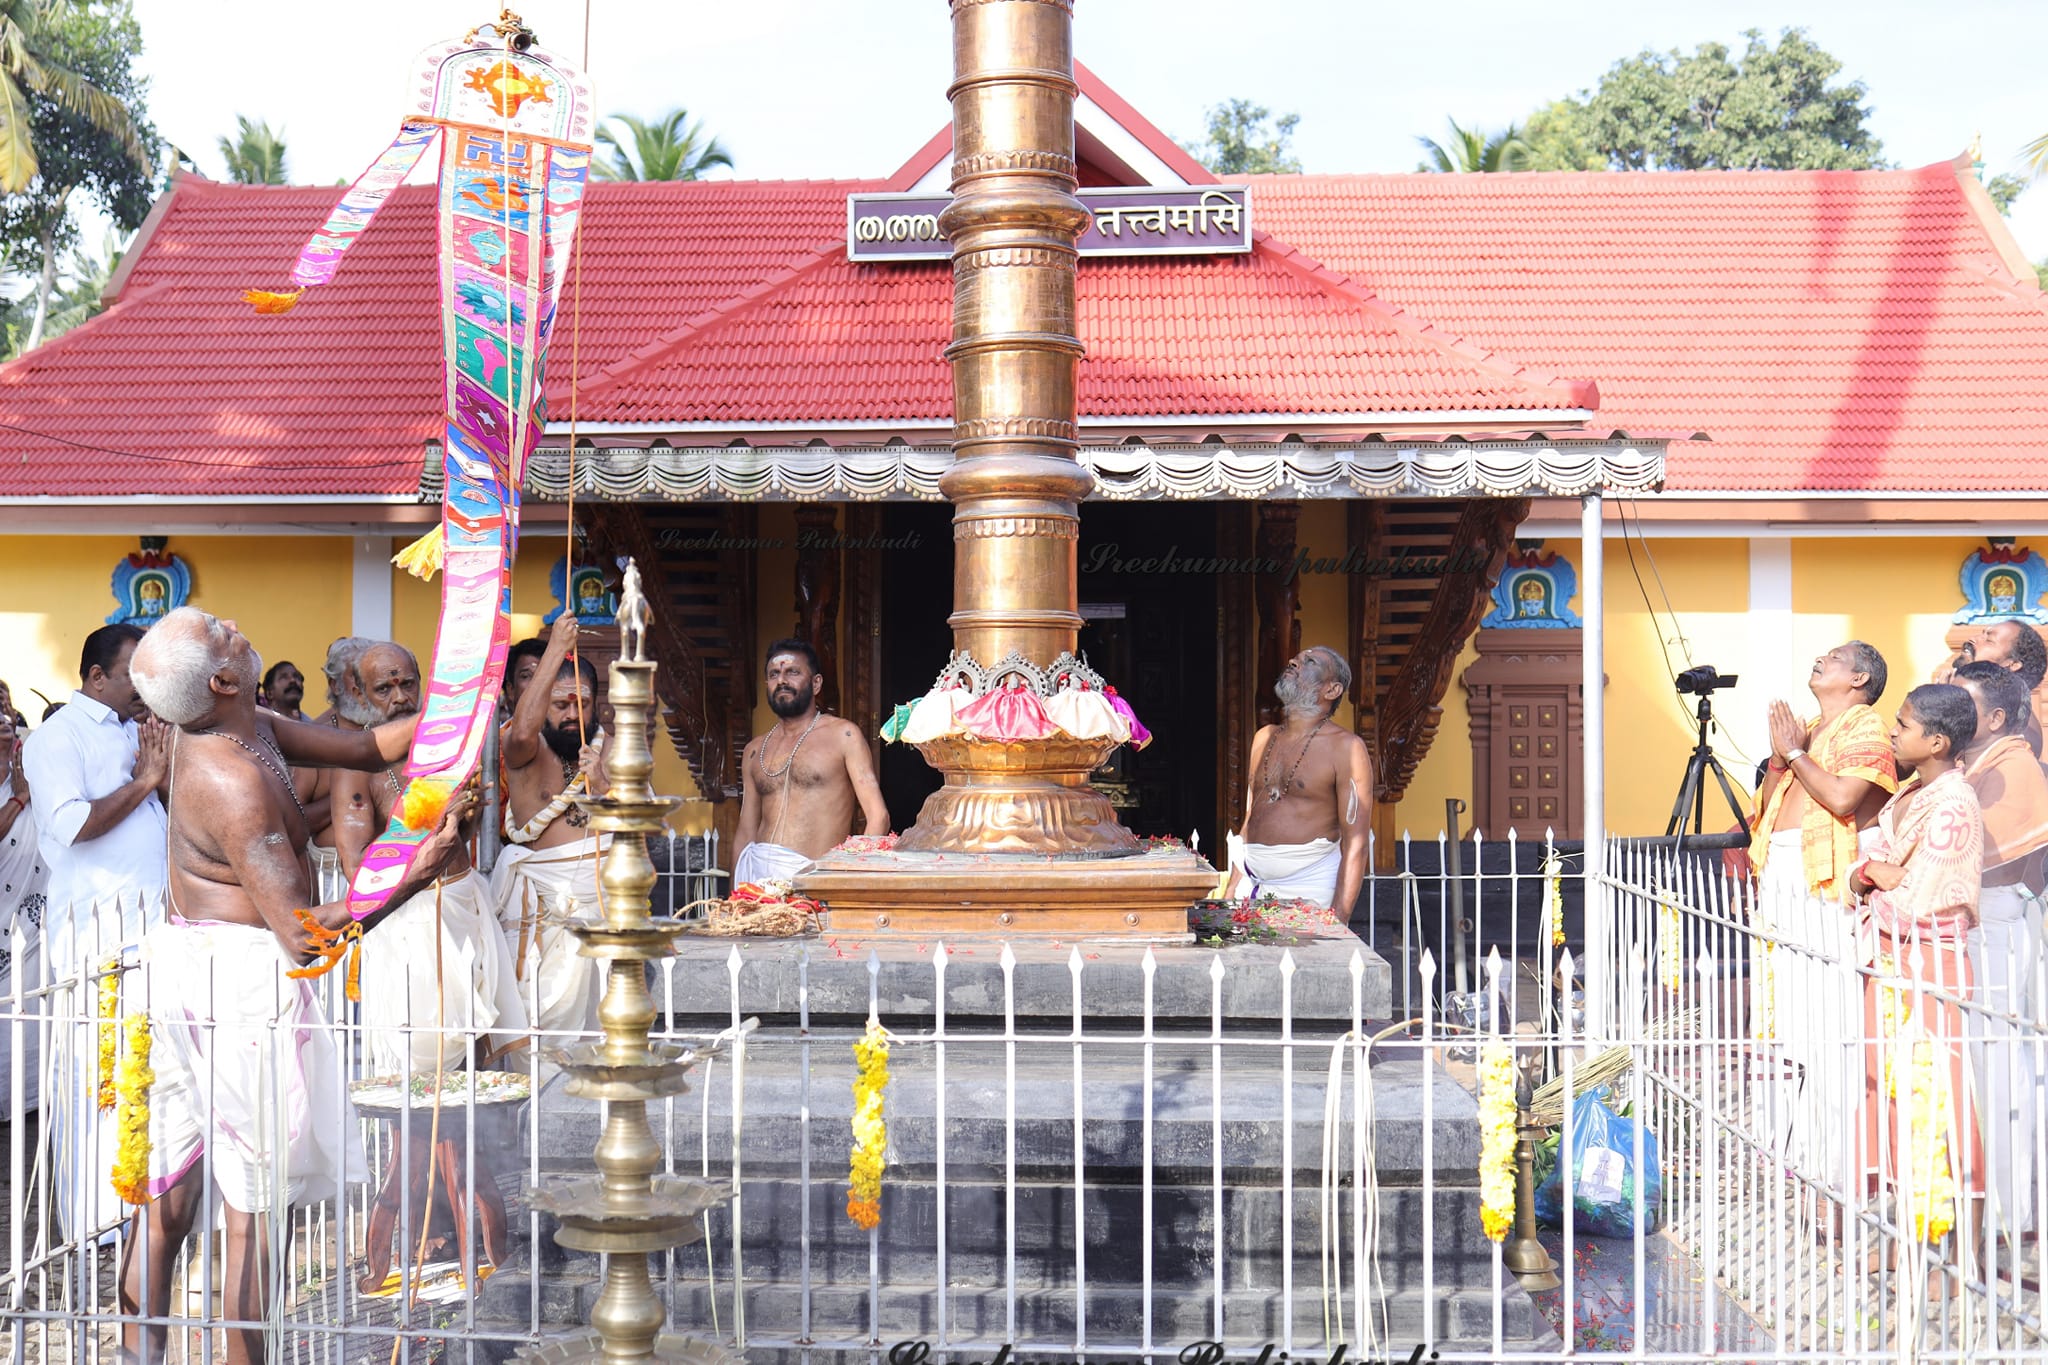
514, 124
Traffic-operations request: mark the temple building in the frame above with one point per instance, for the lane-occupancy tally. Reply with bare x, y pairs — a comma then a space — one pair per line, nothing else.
1358, 410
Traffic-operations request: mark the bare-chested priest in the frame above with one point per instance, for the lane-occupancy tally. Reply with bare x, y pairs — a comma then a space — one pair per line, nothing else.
414, 1023
1308, 808
316, 785
552, 751
233, 1036
804, 780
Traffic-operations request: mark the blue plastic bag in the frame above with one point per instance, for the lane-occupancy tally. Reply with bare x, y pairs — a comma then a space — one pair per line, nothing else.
1603, 1165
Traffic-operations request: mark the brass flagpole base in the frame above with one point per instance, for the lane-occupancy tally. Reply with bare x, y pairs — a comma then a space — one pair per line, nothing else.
1018, 796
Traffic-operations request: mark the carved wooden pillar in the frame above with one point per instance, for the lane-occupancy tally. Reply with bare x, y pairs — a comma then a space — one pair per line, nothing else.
817, 591
1235, 638
1278, 595
1365, 534
862, 657
1409, 710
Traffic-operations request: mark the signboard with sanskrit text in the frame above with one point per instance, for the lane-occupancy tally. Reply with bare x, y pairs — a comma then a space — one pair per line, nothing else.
1190, 220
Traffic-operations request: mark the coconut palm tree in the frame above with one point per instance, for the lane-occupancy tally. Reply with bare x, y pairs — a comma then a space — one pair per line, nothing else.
255, 154
26, 65
670, 148
1472, 151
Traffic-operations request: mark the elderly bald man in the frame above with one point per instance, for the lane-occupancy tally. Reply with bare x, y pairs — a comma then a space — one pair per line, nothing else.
1308, 810
234, 1036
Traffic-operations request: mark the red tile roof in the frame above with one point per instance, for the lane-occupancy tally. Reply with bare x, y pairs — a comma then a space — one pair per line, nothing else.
180, 390
1268, 333
1829, 329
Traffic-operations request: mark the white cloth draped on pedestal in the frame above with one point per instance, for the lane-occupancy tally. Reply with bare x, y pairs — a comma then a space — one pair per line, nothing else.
447, 934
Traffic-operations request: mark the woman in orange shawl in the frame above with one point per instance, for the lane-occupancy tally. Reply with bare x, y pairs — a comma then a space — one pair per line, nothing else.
1922, 880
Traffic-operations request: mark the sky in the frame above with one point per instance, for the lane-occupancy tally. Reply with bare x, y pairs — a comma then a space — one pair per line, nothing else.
810, 89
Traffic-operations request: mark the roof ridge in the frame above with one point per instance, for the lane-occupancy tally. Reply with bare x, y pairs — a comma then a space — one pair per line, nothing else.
1658, 179
610, 376
1579, 393
13, 371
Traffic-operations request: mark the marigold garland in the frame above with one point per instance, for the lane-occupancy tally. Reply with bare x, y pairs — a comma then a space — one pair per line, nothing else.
1553, 898
131, 1158
110, 1028
424, 803
870, 1129
1497, 1114
330, 946
1669, 946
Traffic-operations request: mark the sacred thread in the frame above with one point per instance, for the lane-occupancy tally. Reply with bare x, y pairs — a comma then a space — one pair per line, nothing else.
870, 1129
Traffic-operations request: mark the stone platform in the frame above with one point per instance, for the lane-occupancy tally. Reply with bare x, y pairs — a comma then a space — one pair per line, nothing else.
893, 892
830, 973
995, 1191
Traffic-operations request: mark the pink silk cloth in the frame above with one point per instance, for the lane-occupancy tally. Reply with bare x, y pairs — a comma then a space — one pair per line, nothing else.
1013, 712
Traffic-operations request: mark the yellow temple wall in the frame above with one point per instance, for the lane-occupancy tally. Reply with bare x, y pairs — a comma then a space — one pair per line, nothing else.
291, 595
1897, 593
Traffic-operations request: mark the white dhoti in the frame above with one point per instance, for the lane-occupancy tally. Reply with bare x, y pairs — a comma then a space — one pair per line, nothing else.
248, 1079
329, 883
1295, 872
537, 892
759, 863
2004, 949
1807, 1006
437, 972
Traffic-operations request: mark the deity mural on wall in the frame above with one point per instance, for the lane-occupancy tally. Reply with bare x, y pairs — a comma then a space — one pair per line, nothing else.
2003, 582
588, 588
148, 586
1533, 591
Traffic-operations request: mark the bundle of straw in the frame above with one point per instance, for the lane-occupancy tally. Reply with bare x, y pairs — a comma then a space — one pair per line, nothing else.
1547, 1104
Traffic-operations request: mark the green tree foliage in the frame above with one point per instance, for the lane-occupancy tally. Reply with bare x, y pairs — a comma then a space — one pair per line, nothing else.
40, 63
1245, 139
1559, 137
1474, 151
1770, 107
78, 149
2003, 189
669, 148
255, 154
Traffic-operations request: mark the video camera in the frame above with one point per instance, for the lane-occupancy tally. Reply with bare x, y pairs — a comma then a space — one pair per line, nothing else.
1703, 681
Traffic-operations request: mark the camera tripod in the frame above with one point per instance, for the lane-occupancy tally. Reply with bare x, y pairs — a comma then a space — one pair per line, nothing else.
1692, 791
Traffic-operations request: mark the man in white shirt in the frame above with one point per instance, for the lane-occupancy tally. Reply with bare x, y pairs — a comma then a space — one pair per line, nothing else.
100, 829
95, 773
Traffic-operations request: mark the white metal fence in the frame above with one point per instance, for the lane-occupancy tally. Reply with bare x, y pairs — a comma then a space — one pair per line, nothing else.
1098, 1150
